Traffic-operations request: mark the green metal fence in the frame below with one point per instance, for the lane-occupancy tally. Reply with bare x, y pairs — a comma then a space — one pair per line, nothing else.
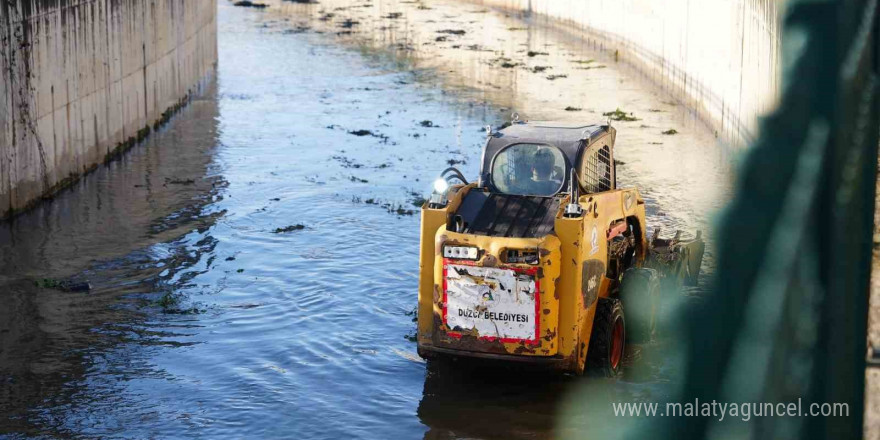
788, 315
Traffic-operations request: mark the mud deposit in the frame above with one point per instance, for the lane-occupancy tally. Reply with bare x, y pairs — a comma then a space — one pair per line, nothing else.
253, 266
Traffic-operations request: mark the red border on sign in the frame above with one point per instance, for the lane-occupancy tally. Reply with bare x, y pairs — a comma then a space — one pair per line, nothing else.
533, 271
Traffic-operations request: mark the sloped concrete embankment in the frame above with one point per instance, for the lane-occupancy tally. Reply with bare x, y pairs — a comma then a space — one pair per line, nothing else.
83, 80
719, 58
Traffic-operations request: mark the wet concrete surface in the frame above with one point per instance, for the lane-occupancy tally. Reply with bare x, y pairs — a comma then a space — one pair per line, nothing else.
254, 264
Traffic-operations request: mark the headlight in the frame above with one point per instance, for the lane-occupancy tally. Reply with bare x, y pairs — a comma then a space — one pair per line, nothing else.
461, 252
440, 186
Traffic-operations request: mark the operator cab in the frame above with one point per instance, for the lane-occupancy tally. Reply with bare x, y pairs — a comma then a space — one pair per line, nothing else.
526, 173
536, 158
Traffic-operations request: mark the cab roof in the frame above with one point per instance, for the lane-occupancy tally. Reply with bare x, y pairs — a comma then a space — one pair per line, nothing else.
550, 131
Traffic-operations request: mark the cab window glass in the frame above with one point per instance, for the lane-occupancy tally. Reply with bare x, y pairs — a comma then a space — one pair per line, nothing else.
529, 169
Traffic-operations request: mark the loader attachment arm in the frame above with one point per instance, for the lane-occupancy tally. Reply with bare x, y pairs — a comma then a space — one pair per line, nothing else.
678, 261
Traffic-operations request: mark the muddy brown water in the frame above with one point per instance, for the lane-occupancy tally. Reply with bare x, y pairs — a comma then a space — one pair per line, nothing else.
205, 321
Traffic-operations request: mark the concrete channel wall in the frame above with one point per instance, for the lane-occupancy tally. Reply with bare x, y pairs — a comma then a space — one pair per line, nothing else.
718, 57
83, 80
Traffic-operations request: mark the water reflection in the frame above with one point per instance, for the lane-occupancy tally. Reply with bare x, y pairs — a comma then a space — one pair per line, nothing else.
479, 399
52, 341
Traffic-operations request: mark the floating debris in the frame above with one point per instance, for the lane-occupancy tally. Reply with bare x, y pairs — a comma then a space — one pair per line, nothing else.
400, 210
348, 23
555, 77
369, 133
478, 48
418, 201
539, 69
573, 109
176, 181
427, 124
291, 228
250, 4
533, 53
168, 300
346, 162
297, 30
390, 207
670, 132
358, 179
393, 15
452, 31
66, 286
361, 133
620, 115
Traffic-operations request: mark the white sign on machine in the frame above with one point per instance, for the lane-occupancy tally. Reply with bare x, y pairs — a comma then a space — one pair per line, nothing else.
498, 303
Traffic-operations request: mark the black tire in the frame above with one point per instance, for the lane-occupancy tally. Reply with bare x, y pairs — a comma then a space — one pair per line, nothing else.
608, 339
640, 293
